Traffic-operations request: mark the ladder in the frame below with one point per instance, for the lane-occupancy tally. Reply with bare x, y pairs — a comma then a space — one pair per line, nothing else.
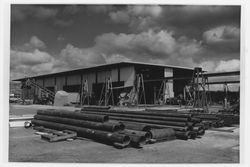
106, 93
164, 91
138, 91
84, 93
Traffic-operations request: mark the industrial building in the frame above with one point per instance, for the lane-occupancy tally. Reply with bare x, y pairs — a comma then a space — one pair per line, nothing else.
122, 76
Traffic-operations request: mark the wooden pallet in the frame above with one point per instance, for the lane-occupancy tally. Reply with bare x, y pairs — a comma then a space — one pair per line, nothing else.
54, 135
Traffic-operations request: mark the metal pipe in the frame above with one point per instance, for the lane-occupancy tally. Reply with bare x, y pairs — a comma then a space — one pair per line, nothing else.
138, 138
149, 126
88, 133
162, 134
136, 126
106, 126
136, 141
176, 119
183, 135
147, 135
75, 115
193, 134
195, 120
181, 115
199, 129
181, 124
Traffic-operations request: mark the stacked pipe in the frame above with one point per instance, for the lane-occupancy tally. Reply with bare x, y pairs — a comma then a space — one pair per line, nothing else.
91, 126
213, 119
218, 119
184, 124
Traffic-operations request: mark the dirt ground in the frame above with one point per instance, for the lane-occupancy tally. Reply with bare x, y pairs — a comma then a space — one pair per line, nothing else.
213, 147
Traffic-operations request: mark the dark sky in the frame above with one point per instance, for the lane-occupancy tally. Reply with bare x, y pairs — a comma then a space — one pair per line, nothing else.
51, 38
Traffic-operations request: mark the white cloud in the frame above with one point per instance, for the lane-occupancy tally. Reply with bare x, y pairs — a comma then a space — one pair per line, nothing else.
99, 9
60, 38
44, 13
76, 57
222, 34
230, 65
36, 43
119, 17
138, 17
21, 12
145, 10
29, 58
33, 44
156, 42
30, 63
221, 66
115, 58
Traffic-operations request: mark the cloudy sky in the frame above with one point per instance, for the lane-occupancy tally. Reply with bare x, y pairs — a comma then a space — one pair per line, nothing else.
52, 38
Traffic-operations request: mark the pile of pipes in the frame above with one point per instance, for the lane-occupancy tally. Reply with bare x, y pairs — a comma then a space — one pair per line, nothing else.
217, 119
209, 120
96, 127
121, 128
184, 125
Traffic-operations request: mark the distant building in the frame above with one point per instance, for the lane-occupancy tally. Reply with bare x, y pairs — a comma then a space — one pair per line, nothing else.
122, 75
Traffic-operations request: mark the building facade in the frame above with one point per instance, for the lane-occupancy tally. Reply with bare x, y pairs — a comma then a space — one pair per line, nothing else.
122, 75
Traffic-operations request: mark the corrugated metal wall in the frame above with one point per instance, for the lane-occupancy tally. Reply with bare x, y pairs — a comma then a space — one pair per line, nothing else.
74, 79
60, 82
39, 82
49, 82
102, 75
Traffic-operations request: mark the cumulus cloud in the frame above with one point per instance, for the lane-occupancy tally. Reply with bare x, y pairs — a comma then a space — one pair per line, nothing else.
29, 58
198, 15
181, 18
114, 58
161, 42
145, 10
21, 12
223, 39
76, 57
30, 63
119, 17
222, 34
221, 66
60, 38
33, 44
138, 17
99, 8
231, 65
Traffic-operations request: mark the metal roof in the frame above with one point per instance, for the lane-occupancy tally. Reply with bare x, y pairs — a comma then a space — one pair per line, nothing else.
104, 65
